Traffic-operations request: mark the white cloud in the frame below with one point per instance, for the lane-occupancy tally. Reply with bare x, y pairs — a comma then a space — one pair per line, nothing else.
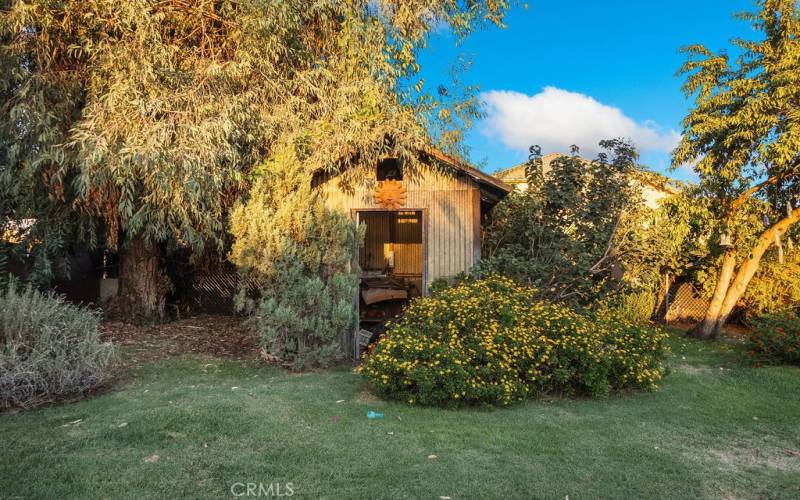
556, 118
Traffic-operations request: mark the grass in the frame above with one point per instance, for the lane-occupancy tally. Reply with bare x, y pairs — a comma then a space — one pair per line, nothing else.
716, 428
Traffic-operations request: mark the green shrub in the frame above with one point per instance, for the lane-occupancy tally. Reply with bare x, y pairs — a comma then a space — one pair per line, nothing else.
303, 324
633, 307
301, 256
582, 229
48, 348
490, 341
776, 339
774, 289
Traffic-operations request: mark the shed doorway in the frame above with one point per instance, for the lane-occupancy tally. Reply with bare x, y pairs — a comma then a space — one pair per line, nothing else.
392, 261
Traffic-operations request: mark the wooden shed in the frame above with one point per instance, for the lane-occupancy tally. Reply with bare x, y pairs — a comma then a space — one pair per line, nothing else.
420, 227
435, 231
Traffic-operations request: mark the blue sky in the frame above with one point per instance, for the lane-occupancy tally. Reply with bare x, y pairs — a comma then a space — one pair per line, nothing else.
566, 72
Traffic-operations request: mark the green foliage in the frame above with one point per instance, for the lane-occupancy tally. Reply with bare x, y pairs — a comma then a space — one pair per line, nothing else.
667, 240
491, 341
774, 289
776, 339
440, 284
631, 307
742, 137
565, 234
144, 119
304, 320
48, 349
696, 235
742, 127
301, 256
5, 259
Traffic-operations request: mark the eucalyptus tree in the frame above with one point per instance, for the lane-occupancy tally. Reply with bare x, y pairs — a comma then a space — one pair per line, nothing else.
144, 119
743, 138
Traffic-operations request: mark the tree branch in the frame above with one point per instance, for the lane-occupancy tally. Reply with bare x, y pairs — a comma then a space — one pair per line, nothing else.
595, 268
738, 202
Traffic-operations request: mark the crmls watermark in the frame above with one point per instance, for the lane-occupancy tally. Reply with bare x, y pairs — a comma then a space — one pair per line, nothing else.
262, 489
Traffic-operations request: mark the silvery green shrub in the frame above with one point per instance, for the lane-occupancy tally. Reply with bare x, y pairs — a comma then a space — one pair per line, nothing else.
49, 348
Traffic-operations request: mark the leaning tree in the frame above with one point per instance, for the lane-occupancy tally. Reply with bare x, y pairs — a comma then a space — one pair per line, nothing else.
139, 123
743, 138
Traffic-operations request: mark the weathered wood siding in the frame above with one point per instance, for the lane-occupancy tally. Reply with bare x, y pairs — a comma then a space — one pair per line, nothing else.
372, 251
451, 207
409, 257
405, 241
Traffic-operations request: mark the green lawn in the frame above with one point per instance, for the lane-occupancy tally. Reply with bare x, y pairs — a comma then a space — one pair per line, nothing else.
716, 428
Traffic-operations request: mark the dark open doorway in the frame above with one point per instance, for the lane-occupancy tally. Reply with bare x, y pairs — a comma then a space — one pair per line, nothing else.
392, 261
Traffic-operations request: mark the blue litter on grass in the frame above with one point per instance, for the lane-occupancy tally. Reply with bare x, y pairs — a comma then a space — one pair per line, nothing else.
374, 415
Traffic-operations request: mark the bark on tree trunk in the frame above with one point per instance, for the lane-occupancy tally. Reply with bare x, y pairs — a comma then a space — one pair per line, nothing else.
749, 267
142, 284
707, 328
737, 288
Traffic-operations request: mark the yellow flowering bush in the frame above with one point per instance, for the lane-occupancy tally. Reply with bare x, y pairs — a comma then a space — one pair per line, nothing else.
491, 341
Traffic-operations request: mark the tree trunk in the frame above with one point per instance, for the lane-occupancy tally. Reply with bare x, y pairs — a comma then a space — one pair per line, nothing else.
749, 267
142, 284
707, 328
737, 288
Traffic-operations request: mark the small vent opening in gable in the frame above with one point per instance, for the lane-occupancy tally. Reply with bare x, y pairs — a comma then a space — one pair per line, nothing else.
389, 169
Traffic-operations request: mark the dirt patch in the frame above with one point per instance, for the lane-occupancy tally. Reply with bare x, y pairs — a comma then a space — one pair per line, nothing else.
697, 369
218, 336
730, 333
222, 337
366, 396
783, 460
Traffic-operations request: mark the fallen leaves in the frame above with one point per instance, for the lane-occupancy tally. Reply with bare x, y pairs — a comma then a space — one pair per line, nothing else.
218, 336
